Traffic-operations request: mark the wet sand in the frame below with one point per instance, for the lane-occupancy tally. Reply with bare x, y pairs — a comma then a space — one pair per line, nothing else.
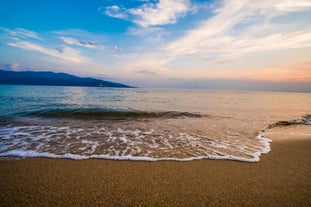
281, 178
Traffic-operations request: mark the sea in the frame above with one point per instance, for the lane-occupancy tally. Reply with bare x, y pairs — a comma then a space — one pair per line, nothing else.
144, 124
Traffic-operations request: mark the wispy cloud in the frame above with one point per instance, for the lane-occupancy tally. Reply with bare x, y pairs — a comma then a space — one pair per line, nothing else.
82, 43
70, 54
148, 65
117, 49
60, 49
144, 31
152, 14
292, 5
21, 33
13, 66
230, 32
149, 37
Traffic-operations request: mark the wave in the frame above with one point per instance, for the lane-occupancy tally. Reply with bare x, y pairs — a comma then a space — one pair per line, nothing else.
93, 113
125, 144
305, 120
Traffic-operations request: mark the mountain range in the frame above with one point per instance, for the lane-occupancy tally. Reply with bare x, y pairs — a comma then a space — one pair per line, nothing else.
52, 79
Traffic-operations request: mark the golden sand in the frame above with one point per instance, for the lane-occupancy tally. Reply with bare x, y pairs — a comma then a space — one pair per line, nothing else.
281, 178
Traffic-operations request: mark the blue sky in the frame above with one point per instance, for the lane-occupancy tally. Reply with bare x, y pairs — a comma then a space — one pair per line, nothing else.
239, 44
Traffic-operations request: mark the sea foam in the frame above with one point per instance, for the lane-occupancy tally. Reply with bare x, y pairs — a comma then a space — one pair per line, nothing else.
125, 144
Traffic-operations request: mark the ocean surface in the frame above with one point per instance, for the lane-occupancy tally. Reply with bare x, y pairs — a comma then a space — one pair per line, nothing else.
144, 124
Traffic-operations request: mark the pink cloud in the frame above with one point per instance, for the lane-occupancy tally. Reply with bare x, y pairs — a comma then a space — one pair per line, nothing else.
14, 66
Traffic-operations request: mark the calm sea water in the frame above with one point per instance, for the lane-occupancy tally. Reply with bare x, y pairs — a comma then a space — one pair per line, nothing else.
142, 124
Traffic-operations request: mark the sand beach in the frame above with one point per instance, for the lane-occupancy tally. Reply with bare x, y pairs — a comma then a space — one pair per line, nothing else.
281, 178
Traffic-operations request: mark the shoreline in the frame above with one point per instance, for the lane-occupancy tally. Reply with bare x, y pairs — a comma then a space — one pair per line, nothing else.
281, 178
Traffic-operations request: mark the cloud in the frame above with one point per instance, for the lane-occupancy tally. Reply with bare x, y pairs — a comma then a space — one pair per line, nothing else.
116, 12
164, 12
146, 72
21, 33
148, 64
79, 34
60, 49
149, 37
82, 43
88, 43
12, 67
71, 54
151, 14
27, 33
229, 84
292, 5
151, 34
144, 31
239, 27
117, 49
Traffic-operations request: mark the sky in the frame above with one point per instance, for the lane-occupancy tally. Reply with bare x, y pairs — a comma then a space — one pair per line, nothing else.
202, 44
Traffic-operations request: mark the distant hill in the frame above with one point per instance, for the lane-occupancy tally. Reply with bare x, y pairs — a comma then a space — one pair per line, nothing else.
52, 79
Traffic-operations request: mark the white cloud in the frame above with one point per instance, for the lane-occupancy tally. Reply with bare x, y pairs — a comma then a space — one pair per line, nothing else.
117, 49
71, 54
164, 12
230, 32
293, 5
152, 14
73, 41
21, 33
116, 12
27, 33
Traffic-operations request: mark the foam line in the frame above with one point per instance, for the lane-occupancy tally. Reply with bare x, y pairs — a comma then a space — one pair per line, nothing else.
120, 144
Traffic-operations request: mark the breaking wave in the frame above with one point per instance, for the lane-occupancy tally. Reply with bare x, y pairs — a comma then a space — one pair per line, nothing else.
93, 113
305, 120
77, 142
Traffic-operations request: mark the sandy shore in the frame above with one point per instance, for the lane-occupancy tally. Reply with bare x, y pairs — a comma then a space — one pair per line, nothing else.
281, 178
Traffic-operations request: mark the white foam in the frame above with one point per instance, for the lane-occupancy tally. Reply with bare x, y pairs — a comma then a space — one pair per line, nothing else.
31, 153
120, 144
265, 141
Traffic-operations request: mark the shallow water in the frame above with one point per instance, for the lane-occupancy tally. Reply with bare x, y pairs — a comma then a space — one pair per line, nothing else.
141, 124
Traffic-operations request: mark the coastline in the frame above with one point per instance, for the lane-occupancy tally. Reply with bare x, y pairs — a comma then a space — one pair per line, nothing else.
281, 178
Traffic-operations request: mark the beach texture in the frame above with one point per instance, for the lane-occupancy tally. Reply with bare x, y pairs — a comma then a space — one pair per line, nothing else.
281, 178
